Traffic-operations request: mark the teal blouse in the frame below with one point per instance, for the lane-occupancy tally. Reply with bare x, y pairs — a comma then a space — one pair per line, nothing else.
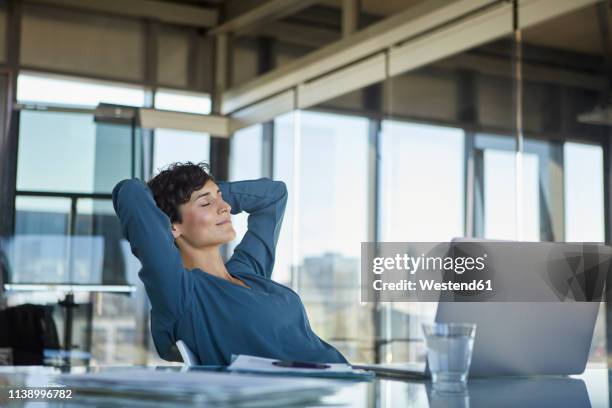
215, 317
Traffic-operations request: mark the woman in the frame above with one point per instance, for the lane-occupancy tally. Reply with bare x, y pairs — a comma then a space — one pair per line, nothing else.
175, 226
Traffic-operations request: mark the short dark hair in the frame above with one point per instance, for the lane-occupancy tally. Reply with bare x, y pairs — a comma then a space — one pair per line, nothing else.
174, 185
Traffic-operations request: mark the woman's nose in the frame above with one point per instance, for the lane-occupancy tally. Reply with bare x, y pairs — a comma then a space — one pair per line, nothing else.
224, 207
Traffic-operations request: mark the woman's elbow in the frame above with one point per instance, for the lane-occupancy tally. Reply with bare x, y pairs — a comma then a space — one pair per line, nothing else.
281, 189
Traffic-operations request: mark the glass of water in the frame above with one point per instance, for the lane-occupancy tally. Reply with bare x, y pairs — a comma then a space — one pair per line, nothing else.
449, 354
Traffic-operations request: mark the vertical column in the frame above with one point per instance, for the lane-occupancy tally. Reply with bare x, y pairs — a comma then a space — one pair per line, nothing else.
603, 14
13, 40
220, 147
193, 59
265, 63
467, 115
517, 83
351, 10
469, 181
552, 199
478, 186
607, 164
221, 71
9, 120
151, 55
373, 102
151, 80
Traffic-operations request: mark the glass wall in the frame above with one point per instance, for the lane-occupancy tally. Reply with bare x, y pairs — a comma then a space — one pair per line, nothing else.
286, 168
446, 150
68, 138
503, 205
332, 222
171, 145
66, 231
68, 163
583, 192
422, 182
245, 164
422, 199
448, 164
69, 91
181, 101
561, 110
322, 158
64, 157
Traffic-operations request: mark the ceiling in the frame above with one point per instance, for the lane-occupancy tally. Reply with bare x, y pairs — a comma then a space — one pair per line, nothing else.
377, 7
232, 8
585, 35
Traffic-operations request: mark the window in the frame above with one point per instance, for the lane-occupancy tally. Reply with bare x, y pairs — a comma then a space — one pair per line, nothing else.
245, 164
42, 215
325, 167
333, 183
67, 91
56, 151
584, 203
66, 230
422, 182
584, 215
170, 145
63, 158
422, 199
500, 199
285, 266
182, 101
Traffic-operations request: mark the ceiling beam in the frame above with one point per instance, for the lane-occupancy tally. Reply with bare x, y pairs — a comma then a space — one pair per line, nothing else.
298, 34
379, 36
269, 11
157, 10
154, 119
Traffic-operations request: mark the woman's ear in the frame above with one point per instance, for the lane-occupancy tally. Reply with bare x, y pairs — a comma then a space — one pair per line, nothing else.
176, 230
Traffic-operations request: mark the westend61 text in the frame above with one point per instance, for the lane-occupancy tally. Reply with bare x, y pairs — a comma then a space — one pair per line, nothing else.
429, 285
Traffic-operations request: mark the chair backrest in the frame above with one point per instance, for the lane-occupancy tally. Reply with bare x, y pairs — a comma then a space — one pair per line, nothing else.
189, 358
28, 330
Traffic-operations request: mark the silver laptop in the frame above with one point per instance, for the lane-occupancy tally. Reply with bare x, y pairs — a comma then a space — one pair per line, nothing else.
520, 338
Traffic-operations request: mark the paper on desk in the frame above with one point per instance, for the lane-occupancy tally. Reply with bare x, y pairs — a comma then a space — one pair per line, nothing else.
211, 387
264, 365
252, 364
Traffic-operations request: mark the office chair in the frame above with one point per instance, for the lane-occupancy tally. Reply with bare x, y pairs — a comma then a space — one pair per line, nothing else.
189, 358
28, 330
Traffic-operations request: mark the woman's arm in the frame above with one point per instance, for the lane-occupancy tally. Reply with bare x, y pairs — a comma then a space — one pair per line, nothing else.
265, 201
147, 228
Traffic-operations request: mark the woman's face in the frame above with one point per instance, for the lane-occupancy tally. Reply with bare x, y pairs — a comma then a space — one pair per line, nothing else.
206, 219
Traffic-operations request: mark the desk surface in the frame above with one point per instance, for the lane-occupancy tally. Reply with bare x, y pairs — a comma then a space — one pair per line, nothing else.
590, 389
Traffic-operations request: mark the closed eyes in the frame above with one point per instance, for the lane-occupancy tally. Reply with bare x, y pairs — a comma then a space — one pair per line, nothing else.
219, 194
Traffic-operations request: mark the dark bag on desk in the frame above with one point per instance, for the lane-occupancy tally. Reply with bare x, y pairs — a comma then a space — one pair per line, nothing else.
28, 330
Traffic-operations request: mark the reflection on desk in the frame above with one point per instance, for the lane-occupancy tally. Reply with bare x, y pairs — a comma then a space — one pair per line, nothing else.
519, 392
589, 389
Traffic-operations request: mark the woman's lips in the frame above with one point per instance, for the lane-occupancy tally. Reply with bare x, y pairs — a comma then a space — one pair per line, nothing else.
225, 222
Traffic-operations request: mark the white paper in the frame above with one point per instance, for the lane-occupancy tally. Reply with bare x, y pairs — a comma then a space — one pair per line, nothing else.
264, 365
